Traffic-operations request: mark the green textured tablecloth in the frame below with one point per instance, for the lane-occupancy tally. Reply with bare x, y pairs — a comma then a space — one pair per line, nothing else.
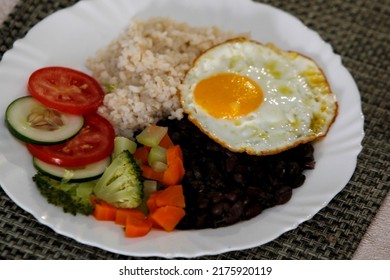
359, 32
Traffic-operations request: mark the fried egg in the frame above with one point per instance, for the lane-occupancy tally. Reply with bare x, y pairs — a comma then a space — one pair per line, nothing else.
255, 98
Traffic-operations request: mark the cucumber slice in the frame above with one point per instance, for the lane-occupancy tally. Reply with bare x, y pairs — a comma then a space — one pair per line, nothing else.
31, 122
87, 173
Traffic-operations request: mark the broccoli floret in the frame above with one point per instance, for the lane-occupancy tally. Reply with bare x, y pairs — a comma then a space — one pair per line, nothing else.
72, 197
121, 183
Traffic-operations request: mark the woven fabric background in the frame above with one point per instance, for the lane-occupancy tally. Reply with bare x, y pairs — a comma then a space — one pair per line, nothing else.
359, 31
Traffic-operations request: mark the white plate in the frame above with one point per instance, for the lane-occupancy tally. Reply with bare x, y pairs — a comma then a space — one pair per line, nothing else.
71, 35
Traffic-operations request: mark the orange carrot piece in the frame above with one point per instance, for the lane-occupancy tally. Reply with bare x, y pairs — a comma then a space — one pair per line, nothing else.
154, 224
149, 173
175, 170
103, 211
137, 227
182, 171
167, 217
174, 173
172, 195
151, 202
166, 142
173, 153
141, 154
123, 213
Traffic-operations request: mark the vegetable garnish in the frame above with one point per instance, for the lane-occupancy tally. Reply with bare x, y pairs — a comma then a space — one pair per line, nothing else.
74, 198
119, 191
94, 142
172, 195
103, 211
137, 227
84, 173
123, 213
166, 209
66, 90
87, 169
121, 183
167, 217
32, 122
160, 159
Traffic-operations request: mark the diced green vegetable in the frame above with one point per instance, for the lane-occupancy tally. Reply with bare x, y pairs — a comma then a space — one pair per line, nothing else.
159, 166
152, 135
122, 144
150, 186
157, 153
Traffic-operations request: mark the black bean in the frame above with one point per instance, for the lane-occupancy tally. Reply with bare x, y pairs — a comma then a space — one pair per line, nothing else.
175, 137
230, 163
238, 178
293, 168
253, 211
199, 221
299, 180
219, 208
216, 197
212, 147
234, 214
203, 203
232, 195
253, 191
246, 201
241, 169
197, 173
272, 179
310, 164
283, 195
280, 168
197, 185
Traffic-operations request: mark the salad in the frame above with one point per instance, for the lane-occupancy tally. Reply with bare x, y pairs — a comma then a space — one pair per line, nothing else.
83, 167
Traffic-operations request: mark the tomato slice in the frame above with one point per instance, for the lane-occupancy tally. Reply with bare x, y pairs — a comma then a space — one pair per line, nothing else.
66, 90
94, 142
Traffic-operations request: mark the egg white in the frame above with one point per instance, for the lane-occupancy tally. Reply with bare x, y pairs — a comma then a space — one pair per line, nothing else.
298, 104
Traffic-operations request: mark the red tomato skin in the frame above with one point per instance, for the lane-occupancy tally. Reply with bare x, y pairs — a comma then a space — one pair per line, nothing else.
66, 90
97, 135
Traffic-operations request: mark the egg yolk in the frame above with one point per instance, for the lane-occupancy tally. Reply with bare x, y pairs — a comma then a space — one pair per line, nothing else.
228, 95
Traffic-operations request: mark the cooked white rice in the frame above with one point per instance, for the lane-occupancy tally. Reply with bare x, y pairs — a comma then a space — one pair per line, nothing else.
142, 69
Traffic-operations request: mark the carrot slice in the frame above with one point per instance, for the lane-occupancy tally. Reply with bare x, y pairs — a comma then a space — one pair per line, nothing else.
141, 154
167, 217
154, 224
174, 173
166, 142
149, 173
123, 213
151, 202
172, 195
103, 211
173, 153
137, 227
175, 170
